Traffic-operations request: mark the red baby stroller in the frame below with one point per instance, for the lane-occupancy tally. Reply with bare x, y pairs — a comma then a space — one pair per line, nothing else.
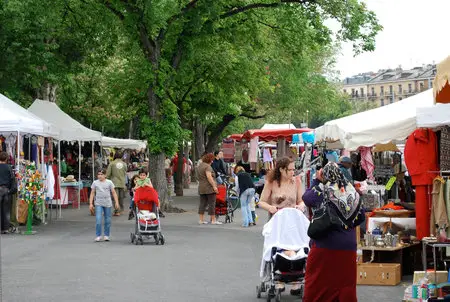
147, 220
227, 201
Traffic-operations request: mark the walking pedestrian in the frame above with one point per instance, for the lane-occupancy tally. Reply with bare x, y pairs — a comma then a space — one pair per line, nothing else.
333, 254
246, 190
207, 188
7, 188
101, 191
117, 173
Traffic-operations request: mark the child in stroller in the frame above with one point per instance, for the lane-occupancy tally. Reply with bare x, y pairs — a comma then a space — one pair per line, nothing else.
146, 202
286, 246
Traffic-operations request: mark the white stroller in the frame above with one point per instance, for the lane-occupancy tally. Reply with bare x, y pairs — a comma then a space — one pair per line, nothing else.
287, 230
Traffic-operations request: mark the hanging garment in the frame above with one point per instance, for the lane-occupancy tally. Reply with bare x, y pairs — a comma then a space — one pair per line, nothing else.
445, 149
367, 161
438, 217
422, 212
50, 183
57, 193
34, 149
421, 156
267, 157
253, 153
447, 205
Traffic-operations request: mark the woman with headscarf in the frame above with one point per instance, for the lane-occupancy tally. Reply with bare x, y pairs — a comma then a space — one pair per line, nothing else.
331, 265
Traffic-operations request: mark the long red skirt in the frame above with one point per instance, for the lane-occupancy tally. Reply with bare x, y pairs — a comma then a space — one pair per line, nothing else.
330, 276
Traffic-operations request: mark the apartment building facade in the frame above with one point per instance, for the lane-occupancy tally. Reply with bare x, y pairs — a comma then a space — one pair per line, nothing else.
389, 86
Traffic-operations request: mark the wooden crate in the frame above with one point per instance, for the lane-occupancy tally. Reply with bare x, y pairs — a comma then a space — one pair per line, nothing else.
379, 274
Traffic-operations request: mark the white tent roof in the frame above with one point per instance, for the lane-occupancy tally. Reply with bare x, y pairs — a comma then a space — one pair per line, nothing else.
433, 117
123, 143
277, 126
70, 129
14, 118
377, 126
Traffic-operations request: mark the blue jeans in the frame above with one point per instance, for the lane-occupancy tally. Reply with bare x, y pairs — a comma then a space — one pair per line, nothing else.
99, 213
246, 198
131, 203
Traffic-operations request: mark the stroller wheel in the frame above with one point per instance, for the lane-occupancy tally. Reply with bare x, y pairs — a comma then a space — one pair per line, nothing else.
162, 240
136, 241
132, 237
258, 292
278, 297
142, 241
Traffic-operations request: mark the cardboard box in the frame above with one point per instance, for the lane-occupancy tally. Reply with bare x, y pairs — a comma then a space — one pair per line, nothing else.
441, 276
379, 274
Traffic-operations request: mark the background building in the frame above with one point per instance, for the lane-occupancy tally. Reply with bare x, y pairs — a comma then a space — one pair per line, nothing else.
389, 86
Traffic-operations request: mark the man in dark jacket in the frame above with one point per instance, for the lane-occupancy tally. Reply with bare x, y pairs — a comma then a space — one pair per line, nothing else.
6, 188
219, 166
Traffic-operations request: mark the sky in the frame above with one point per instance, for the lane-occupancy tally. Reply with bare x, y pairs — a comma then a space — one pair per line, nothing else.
416, 32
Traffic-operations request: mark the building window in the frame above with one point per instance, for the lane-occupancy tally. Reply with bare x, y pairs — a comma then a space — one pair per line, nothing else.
345, 90
382, 102
382, 90
400, 98
356, 93
410, 88
362, 92
390, 89
400, 89
353, 92
392, 100
421, 86
431, 84
373, 91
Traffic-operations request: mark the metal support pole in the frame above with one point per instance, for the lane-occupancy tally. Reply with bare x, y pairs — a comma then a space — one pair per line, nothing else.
59, 200
79, 172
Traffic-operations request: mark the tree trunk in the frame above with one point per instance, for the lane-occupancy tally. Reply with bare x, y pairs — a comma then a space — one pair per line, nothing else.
214, 136
199, 138
156, 161
179, 175
186, 176
47, 92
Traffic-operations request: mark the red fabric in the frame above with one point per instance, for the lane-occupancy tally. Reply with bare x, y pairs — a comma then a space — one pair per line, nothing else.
330, 276
423, 212
268, 135
56, 186
146, 194
175, 164
222, 195
421, 156
149, 222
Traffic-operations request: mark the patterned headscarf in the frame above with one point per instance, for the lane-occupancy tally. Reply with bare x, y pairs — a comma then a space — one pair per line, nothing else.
331, 173
340, 192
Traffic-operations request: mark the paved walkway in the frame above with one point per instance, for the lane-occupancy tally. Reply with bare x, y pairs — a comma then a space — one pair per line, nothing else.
198, 263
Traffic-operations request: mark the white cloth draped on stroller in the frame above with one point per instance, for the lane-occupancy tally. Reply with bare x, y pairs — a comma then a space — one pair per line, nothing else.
286, 230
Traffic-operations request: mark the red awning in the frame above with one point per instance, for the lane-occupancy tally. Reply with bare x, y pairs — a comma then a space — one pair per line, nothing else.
236, 137
268, 135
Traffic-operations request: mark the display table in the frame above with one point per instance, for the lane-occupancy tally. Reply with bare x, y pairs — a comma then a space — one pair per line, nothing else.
69, 194
400, 254
434, 246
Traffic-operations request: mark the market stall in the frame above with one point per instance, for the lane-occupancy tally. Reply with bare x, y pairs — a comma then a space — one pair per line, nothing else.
70, 130
16, 126
377, 126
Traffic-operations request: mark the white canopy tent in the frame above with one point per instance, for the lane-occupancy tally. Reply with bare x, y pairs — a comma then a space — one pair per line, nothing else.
123, 143
70, 130
433, 117
14, 118
377, 126
278, 126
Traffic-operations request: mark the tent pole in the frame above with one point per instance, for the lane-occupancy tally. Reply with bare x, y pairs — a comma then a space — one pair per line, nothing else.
59, 200
79, 172
93, 162
44, 178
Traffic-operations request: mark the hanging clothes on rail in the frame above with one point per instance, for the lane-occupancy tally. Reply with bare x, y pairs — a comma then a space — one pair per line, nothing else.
421, 158
438, 217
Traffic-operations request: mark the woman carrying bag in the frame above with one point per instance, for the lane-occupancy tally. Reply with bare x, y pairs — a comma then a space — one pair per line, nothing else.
331, 265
